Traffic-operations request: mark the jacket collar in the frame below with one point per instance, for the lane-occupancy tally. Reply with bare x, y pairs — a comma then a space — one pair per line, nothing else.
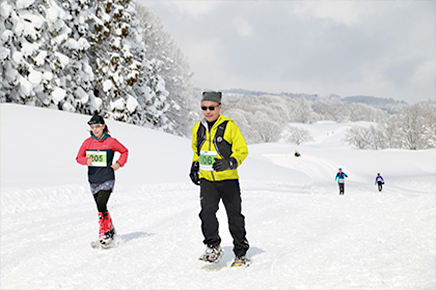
218, 121
104, 136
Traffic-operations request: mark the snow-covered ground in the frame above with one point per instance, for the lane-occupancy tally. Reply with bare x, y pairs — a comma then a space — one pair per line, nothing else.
303, 235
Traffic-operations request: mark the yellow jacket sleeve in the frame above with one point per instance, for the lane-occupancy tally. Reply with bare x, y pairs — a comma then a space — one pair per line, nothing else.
234, 136
194, 141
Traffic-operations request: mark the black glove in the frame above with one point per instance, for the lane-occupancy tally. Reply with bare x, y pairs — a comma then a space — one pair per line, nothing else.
224, 164
194, 173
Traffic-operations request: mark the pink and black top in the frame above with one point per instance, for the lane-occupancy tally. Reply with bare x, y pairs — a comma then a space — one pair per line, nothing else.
102, 152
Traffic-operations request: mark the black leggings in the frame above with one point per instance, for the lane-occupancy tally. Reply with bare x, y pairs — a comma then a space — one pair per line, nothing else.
101, 198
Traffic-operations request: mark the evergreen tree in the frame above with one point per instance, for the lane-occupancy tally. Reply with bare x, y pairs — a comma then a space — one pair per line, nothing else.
35, 67
173, 67
77, 74
116, 67
23, 55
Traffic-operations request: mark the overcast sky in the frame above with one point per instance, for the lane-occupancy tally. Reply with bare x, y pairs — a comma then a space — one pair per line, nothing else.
378, 48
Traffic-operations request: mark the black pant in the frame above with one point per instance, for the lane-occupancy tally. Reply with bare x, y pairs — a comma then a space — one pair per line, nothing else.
101, 198
380, 186
341, 188
210, 194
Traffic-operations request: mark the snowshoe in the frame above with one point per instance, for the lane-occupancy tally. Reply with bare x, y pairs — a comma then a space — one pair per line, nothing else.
101, 244
105, 242
241, 262
212, 254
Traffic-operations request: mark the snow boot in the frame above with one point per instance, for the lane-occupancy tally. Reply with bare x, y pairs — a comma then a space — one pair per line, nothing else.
107, 230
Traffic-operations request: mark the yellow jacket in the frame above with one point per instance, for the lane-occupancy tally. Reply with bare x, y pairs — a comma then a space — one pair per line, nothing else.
232, 135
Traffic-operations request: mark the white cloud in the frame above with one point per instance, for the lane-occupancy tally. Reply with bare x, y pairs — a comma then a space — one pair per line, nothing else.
196, 8
342, 12
243, 27
379, 48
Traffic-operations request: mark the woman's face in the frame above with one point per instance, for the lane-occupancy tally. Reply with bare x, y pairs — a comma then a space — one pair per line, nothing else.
97, 130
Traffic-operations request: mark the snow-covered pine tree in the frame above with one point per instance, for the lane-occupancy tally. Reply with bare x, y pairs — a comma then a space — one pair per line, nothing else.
33, 59
77, 75
173, 68
150, 89
155, 102
23, 29
116, 67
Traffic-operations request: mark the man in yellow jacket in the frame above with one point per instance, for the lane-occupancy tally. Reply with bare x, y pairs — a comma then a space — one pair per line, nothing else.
219, 148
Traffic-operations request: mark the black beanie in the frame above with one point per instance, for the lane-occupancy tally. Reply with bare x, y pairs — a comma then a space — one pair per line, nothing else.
96, 119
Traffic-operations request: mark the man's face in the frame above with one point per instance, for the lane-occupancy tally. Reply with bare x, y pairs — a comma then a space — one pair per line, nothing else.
210, 115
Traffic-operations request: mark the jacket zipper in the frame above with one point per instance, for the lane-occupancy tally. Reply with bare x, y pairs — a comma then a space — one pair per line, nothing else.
210, 138
210, 146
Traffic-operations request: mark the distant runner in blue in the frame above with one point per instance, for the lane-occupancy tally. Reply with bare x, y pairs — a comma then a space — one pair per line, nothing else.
340, 177
380, 181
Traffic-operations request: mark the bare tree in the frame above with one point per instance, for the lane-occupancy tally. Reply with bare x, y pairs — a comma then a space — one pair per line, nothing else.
298, 135
357, 136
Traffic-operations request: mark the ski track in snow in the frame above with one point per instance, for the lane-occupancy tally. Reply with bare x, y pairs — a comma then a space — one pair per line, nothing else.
302, 234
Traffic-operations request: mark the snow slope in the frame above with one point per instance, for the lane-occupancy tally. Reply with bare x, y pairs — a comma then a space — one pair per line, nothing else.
303, 235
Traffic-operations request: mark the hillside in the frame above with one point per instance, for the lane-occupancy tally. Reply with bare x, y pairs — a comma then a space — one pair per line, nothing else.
302, 234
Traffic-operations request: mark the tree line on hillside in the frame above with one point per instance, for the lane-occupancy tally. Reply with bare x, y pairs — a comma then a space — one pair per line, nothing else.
411, 127
265, 119
86, 56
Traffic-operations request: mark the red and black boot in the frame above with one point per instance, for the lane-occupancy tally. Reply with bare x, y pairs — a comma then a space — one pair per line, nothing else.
107, 230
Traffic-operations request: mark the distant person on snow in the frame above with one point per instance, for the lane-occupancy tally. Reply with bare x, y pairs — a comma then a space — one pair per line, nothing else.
97, 152
297, 154
219, 149
380, 181
340, 177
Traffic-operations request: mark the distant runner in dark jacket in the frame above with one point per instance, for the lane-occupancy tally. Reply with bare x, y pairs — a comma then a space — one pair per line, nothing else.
340, 177
380, 181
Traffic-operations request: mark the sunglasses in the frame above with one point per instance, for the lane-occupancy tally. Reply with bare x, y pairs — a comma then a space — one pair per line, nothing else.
211, 108
96, 126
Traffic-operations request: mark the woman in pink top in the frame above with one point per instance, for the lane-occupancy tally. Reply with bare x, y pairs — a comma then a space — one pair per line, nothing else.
97, 152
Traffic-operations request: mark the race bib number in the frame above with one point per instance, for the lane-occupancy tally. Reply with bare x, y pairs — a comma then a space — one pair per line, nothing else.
207, 159
341, 180
99, 158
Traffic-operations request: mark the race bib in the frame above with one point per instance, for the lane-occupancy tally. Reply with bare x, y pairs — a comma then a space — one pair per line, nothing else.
99, 158
207, 159
341, 180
